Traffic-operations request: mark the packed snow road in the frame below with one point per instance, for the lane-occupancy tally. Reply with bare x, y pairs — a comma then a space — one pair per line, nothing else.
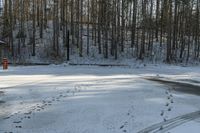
66, 99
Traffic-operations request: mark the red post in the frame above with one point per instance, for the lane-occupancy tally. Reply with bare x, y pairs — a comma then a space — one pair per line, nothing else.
5, 63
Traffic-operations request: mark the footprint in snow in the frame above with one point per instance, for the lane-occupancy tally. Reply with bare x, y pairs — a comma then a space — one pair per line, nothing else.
17, 122
161, 128
18, 126
122, 127
6, 118
28, 113
162, 113
27, 117
49, 101
165, 119
125, 123
170, 109
172, 101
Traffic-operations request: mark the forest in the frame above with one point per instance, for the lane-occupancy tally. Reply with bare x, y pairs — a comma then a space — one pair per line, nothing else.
166, 30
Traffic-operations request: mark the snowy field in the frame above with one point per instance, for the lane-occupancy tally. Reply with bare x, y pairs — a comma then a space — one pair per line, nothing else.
90, 99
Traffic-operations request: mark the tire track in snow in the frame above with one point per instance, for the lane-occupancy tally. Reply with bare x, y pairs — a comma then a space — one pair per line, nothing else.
171, 123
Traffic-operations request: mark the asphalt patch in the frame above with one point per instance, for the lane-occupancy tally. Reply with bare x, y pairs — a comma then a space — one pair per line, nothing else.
2, 102
178, 86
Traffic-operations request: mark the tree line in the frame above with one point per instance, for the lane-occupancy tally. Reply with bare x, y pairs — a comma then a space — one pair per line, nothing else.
113, 27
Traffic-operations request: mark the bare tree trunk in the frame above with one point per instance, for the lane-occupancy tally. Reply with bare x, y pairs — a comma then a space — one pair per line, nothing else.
88, 26
123, 25
72, 21
41, 19
45, 14
169, 33
11, 28
157, 18
34, 28
100, 22
56, 29
142, 49
175, 28
134, 23
81, 36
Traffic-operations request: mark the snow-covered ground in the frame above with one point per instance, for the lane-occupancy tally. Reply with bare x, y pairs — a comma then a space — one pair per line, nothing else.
90, 99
